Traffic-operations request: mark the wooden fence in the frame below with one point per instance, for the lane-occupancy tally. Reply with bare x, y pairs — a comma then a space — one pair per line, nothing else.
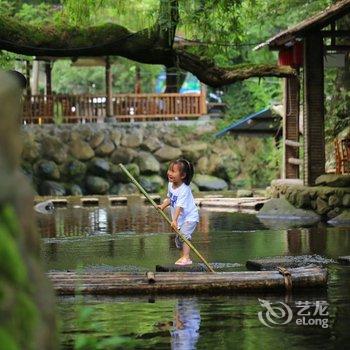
40, 109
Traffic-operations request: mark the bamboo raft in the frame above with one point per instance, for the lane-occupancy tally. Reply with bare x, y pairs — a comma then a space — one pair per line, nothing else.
116, 283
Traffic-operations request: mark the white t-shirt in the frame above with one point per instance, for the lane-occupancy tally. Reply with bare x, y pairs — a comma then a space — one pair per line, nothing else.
182, 197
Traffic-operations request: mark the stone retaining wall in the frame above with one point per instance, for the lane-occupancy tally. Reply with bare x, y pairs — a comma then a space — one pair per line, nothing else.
83, 159
329, 198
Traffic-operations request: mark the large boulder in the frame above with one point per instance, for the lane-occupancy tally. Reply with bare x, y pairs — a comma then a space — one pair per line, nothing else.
346, 200
333, 180
53, 149
75, 190
167, 153
172, 140
341, 220
115, 136
193, 151
151, 144
279, 209
31, 151
81, 150
244, 193
99, 167
118, 174
124, 189
147, 163
152, 184
75, 169
47, 169
51, 188
97, 139
209, 183
123, 155
97, 185
105, 148
133, 139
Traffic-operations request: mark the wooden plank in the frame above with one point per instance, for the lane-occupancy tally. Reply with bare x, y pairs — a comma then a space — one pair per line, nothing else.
70, 283
292, 143
295, 161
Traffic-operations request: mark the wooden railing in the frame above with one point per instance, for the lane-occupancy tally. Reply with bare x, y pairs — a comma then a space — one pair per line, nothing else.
40, 109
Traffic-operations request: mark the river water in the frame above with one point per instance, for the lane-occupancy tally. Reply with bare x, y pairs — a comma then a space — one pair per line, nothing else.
134, 238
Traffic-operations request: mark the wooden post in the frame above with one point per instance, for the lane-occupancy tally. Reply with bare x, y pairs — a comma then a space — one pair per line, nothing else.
28, 69
138, 80
48, 69
314, 133
109, 95
290, 127
203, 100
35, 78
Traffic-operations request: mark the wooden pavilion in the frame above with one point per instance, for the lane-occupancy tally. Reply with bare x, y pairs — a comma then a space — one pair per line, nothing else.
77, 108
304, 47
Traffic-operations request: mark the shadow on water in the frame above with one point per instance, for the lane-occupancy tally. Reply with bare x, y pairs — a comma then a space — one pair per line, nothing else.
136, 239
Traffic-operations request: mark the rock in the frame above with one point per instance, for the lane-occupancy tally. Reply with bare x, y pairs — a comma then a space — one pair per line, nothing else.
279, 209
97, 139
321, 206
334, 201
133, 139
151, 144
115, 136
53, 149
51, 188
75, 169
105, 149
119, 176
147, 163
167, 153
209, 183
346, 200
152, 183
333, 180
333, 213
75, 190
244, 193
194, 187
97, 185
202, 166
172, 140
302, 200
99, 166
31, 151
341, 220
47, 169
123, 155
227, 169
124, 189
81, 150
193, 151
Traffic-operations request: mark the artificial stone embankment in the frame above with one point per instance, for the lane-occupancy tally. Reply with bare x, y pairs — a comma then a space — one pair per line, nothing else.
83, 159
329, 199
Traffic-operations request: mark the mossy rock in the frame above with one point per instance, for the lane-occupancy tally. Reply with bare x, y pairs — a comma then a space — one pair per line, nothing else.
81, 150
53, 149
341, 220
147, 163
281, 210
47, 170
209, 183
167, 153
99, 167
52, 188
118, 175
333, 180
152, 184
75, 169
97, 185
105, 149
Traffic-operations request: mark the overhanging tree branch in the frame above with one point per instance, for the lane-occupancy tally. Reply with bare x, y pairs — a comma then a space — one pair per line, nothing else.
153, 46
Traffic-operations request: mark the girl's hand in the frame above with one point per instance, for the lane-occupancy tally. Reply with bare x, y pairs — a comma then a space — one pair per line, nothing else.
174, 225
159, 206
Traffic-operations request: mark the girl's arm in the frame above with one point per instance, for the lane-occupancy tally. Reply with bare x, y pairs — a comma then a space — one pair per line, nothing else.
165, 204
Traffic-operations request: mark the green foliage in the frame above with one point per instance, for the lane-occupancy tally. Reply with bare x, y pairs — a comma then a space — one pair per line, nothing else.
16, 330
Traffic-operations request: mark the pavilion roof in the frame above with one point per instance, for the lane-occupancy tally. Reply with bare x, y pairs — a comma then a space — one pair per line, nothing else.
315, 22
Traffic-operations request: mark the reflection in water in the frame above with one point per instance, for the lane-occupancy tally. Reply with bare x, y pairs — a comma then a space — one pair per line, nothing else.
185, 334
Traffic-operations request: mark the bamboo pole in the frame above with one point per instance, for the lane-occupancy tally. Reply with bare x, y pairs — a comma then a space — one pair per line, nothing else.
165, 217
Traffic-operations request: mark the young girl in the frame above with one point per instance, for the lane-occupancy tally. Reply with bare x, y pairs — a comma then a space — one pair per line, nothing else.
184, 212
